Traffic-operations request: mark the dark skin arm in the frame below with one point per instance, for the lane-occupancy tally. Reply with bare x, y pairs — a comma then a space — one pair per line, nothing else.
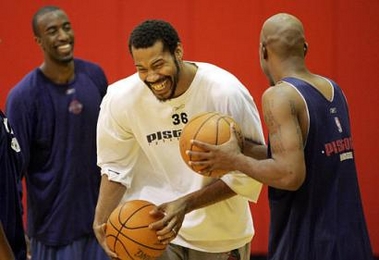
286, 169
174, 212
5, 249
253, 149
110, 196
177, 209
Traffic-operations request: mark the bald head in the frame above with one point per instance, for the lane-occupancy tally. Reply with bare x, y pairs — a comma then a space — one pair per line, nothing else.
283, 34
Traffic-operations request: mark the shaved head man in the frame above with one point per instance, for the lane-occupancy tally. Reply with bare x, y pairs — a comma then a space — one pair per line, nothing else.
315, 205
282, 38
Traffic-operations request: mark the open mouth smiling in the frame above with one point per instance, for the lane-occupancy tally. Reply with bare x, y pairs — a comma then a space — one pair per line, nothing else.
159, 86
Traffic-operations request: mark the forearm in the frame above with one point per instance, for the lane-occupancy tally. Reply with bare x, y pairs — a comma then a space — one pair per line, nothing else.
255, 150
208, 195
270, 172
110, 196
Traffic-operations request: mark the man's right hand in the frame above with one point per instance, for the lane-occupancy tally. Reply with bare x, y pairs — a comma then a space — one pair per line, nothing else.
100, 235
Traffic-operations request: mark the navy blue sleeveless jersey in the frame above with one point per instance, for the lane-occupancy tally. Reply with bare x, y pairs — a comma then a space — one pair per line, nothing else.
323, 219
55, 125
10, 203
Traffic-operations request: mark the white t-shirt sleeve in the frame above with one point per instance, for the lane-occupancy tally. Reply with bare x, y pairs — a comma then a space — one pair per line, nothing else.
117, 149
243, 185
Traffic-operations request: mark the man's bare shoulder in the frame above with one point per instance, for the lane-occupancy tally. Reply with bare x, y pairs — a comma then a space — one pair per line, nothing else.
281, 91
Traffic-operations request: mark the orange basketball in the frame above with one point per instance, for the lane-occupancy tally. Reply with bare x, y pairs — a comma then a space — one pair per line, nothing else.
128, 233
208, 127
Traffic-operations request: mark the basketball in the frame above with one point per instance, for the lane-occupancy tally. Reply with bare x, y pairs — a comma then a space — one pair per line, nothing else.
209, 127
128, 234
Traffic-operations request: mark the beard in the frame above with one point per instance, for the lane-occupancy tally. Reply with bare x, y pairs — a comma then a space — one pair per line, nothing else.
175, 80
64, 59
174, 84
67, 59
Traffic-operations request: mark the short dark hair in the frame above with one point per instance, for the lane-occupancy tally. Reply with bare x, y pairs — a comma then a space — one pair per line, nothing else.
40, 12
149, 32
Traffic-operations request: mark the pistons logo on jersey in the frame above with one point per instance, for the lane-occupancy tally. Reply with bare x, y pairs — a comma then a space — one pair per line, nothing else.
75, 107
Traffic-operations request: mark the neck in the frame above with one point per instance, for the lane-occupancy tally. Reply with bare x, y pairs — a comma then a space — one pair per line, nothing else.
59, 73
187, 74
291, 68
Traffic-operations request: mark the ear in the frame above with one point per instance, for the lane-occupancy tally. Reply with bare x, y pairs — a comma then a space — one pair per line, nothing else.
264, 51
179, 52
305, 48
37, 40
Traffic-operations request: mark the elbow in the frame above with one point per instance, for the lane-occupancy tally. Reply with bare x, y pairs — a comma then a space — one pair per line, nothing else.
292, 181
295, 185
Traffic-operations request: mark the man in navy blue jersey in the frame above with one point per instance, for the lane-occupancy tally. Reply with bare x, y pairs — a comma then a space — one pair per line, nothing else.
315, 204
12, 241
54, 111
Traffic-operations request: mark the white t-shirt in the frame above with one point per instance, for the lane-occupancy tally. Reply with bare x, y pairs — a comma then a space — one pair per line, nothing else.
138, 146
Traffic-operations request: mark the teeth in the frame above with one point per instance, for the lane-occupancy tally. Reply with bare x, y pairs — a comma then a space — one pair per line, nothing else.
159, 86
64, 47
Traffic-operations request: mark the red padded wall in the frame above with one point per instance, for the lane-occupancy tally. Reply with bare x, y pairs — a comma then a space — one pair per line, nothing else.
342, 38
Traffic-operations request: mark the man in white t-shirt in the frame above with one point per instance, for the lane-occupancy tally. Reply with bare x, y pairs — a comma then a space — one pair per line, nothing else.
139, 126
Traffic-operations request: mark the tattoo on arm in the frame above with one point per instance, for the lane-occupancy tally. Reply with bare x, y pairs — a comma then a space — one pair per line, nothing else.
275, 129
296, 123
276, 135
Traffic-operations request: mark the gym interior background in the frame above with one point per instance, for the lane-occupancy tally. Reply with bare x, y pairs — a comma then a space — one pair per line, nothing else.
343, 44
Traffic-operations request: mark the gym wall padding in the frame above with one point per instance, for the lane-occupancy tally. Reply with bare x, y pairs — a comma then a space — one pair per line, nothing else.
343, 45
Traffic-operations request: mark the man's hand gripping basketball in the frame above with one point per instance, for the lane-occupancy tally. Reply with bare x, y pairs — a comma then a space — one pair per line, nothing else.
168, 227
216, 157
